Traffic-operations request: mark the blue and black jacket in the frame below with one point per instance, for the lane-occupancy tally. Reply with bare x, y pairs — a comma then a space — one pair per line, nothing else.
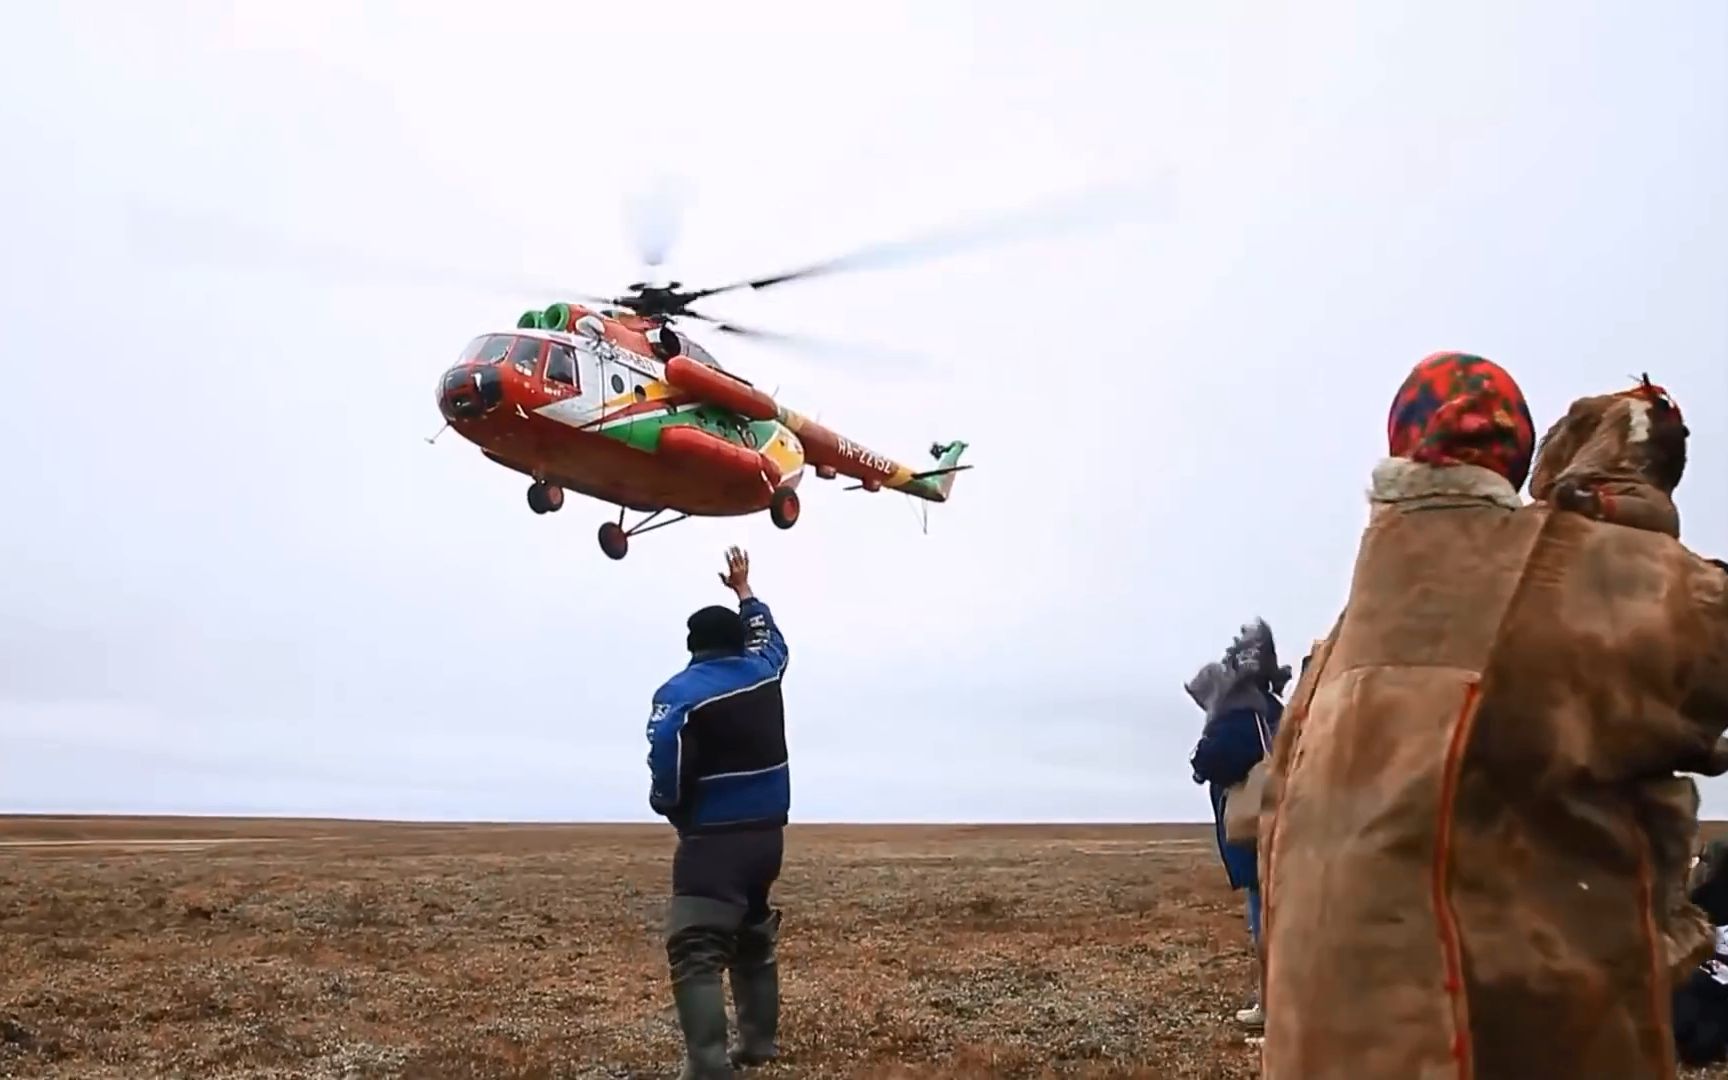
717, 736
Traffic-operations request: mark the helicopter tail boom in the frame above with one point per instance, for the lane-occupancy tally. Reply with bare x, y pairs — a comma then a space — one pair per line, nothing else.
832, 454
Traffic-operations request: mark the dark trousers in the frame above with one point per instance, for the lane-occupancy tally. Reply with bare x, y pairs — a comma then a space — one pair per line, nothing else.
734, 868
1701, 1020
720, 916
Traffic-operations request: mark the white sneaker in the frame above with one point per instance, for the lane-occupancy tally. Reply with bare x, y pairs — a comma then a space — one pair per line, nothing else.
1253, 1018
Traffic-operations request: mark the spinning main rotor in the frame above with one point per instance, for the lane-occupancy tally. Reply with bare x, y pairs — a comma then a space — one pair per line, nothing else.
655, 229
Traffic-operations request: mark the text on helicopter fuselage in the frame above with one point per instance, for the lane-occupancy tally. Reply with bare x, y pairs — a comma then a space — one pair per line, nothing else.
870, 459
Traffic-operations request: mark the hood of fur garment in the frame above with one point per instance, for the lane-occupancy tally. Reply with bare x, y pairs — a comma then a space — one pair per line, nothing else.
1220, 689
1619, 436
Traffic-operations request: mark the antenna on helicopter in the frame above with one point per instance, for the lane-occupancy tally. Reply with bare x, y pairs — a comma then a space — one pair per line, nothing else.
920, 513
437, 433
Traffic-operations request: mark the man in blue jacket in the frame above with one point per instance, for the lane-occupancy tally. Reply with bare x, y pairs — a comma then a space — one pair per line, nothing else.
717, 755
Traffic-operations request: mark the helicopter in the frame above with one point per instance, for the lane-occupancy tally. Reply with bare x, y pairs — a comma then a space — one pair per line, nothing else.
606, 398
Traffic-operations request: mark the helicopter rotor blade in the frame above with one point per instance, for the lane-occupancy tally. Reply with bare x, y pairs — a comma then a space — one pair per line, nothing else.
808, 344
172, 234
1046, 218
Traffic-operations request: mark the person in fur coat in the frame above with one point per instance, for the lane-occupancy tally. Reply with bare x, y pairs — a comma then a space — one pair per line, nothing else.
1457, 880
1618, 458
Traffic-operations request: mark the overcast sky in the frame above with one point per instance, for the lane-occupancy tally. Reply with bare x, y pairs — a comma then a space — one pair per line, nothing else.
240, 580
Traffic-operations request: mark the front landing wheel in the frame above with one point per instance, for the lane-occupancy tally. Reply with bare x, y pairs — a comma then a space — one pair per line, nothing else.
783, 508
544, 498
614, 541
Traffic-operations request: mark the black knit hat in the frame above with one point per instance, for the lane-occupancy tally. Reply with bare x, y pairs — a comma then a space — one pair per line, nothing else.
715, 629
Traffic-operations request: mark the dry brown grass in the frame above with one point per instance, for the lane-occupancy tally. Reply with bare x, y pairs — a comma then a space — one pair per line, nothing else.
357, 951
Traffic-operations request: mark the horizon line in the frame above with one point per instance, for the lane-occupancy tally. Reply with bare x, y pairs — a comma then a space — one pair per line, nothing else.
207, 815
361, 819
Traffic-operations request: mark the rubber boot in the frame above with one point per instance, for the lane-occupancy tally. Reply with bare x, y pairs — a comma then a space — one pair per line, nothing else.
701, 1001
700, 936
756, 993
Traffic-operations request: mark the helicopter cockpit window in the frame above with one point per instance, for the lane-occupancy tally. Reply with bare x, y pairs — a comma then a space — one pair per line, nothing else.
561, 364
525, 354
485, 349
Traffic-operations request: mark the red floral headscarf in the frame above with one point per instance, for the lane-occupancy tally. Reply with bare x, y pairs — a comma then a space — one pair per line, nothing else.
1458, 409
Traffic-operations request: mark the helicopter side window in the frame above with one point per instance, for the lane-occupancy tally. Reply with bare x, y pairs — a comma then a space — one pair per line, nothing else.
525, 354
561, 365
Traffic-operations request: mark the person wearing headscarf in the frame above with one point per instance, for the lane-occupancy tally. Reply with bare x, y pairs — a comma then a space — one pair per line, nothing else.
1239, 695
1457, 880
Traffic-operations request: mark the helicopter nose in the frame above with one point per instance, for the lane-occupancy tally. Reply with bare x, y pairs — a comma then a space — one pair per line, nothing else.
467, 393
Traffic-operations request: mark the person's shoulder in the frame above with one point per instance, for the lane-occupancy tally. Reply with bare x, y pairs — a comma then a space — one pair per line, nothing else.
711, 678
684, 684
1621, 564
1612, 540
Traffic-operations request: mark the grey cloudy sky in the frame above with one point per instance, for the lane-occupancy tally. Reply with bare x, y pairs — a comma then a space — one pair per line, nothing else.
239, 579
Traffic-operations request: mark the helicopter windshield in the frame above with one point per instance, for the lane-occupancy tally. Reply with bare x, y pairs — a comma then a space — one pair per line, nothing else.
486, 349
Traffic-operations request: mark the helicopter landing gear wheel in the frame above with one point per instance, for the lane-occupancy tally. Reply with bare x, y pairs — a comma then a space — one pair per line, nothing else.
783, 508
544, 498
615, 538
614, 541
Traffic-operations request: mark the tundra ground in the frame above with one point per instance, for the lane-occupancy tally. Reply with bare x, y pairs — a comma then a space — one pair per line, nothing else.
211, 948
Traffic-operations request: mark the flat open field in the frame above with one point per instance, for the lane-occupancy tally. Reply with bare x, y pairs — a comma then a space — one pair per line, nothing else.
142, 948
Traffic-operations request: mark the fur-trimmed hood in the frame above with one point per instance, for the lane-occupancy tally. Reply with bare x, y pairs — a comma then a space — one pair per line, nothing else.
1248, 677
1397, 480
1621, 436
1220, 691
